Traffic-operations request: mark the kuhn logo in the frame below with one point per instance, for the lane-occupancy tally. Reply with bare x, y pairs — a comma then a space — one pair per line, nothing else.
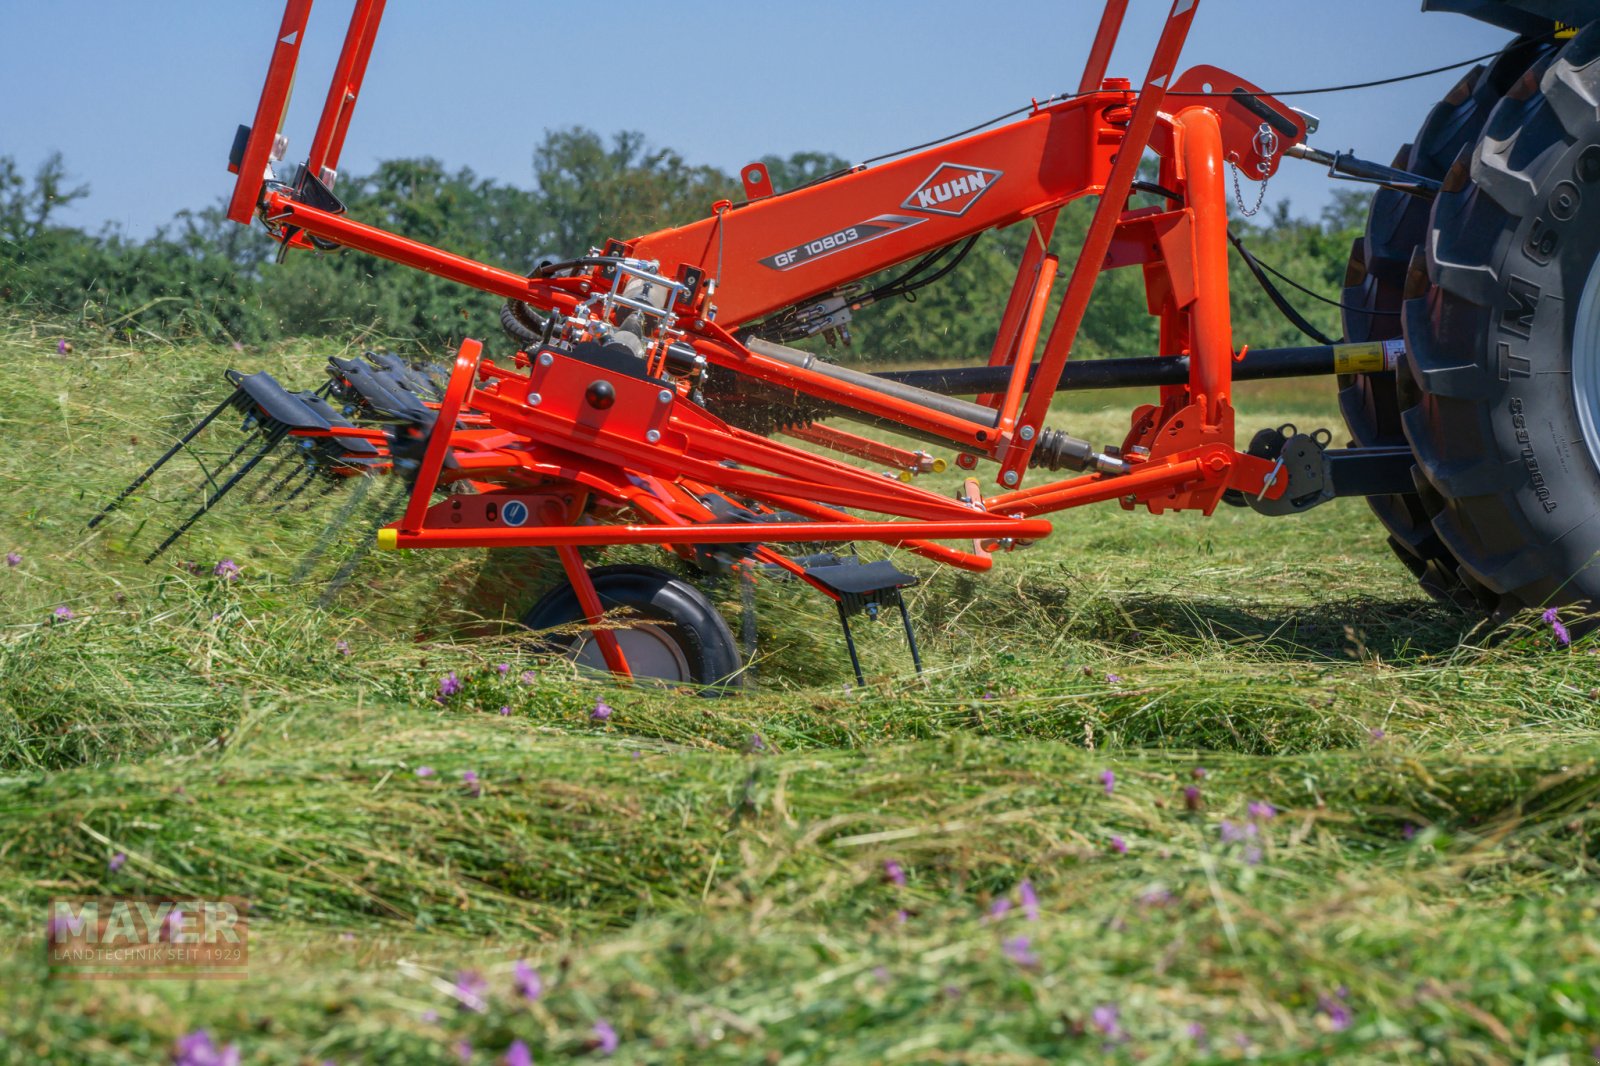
951, 189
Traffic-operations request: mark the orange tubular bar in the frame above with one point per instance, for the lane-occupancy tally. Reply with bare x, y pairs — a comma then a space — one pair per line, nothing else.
1101, 230
424, 257
1199, 137
1094, 71
323, 160
718, 533
860, 447
269, 112
439, 440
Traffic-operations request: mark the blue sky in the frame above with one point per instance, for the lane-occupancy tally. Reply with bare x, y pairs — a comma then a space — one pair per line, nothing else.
142, 99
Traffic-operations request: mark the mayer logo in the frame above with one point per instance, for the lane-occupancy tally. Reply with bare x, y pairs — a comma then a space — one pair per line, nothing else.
951, 189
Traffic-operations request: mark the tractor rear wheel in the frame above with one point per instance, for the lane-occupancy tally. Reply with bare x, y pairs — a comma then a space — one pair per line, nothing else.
1500, 389
1375, 281
671, 633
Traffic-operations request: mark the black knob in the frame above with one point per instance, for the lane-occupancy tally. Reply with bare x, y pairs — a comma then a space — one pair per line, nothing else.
600, 394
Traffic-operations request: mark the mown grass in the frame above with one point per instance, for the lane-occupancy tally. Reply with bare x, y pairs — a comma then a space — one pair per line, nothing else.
717, 879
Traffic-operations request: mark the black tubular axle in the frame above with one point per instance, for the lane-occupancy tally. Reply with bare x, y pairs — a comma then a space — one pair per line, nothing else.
1259, 364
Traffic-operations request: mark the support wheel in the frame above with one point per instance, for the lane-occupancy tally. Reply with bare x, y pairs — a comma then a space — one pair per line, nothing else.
673, 634
1502, 405
1375, 286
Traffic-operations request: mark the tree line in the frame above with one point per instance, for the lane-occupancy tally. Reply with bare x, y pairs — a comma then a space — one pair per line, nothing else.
203, 277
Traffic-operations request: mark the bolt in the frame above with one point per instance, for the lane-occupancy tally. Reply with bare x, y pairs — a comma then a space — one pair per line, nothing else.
1026, 432
1010, 477
533, 399
664, 396
545, 358
653, 436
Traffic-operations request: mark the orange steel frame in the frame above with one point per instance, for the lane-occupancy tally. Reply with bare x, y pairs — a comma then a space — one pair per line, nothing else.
524, 431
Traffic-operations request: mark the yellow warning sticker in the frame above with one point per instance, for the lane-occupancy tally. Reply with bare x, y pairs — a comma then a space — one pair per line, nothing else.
1564, 31
1358, 358
1369, 358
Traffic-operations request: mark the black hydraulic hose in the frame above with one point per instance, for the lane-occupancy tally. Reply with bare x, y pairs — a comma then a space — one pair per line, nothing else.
1278, 300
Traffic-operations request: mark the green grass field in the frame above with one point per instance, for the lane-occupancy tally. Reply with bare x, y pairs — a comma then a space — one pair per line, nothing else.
1055, 846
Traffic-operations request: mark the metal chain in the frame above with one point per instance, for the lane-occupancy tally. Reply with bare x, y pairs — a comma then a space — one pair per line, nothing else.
1266, 145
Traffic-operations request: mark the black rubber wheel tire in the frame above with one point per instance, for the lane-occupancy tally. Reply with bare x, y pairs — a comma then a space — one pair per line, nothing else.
1490, 408
675, 610
1375, 288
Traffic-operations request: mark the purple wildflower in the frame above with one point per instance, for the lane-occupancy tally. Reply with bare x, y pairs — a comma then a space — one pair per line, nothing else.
1252, 855
988, 693
881, 973
198, 1049
474, 787
518, 1054
1019, 949
63, 347
755, 743
227, 570
13, 558
116, 862
999, 908
1554, 619
63, 613
602, 711
526, 978
894, 873
1029, 900
1108, 778
1197, 1033
528, 677
1339, 1016
605, 1038
424, 771
1237, 834
1191, 797
506, 709
449, 685
1105, 1019
1263, 812
1113, 679
471, 990
902, 916
1408, 831
1376, 733
341, 647
1199, 773
503, 669
463, 1050
173, 926
1119, 845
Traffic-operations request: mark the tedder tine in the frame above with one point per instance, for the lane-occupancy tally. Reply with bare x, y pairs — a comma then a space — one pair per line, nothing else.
273, 438
159, 463
392, 508
331, 530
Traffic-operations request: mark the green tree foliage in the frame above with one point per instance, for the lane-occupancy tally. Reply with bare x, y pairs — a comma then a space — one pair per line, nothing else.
201, 275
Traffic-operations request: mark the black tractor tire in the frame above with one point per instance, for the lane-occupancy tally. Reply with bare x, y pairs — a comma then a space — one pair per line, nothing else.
1375, 281
1501, 379
677, 632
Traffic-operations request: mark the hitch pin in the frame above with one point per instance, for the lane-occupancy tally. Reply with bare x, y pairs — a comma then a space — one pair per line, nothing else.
1271, 479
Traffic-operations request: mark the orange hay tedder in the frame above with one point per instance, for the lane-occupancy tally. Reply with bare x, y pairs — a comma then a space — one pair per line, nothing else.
653, 374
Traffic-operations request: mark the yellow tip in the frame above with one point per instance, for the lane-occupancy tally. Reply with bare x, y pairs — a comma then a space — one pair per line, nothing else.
939, 466
388, 539
904, 475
